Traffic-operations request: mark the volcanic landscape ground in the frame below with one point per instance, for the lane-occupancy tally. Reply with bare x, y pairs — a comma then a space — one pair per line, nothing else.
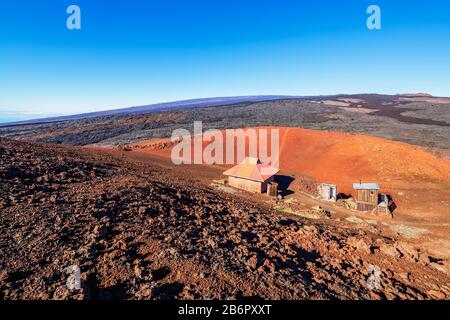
139, 227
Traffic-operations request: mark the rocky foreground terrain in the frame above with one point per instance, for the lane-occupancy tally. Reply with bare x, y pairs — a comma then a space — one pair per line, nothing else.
141, 231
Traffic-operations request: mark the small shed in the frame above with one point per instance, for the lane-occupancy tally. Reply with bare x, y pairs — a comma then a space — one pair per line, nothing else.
327, 192
383, 203
366, 197
251, 175
272, 189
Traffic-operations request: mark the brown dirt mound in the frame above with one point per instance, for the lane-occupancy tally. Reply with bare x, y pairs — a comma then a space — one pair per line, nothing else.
419, 181
344, 158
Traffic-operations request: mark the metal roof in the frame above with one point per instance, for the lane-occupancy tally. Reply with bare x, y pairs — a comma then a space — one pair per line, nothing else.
366, 186
252, 169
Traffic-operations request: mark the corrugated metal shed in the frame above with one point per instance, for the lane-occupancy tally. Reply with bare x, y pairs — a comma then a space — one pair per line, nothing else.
366, 197
366, 186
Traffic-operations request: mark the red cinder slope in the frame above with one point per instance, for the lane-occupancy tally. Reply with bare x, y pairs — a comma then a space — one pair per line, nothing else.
418, 180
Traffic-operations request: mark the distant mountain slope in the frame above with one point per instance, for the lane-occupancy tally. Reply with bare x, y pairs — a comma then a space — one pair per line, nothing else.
420, 120
203, 102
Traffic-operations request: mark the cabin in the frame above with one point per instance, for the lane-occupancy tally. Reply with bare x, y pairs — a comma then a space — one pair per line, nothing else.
327, 192
366, 197
251, 175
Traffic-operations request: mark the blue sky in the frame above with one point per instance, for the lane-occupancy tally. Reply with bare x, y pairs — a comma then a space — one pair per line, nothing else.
140, 52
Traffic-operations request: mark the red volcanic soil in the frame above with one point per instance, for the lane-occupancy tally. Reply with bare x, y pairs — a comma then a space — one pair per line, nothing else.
140, 229
418, 181
96, 148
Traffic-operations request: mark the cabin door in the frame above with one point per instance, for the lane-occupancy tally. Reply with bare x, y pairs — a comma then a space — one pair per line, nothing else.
332, 193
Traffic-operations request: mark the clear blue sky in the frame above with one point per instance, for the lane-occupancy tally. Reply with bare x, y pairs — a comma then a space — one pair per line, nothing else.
139, 52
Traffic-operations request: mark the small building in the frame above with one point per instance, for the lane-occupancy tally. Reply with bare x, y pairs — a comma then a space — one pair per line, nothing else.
272, 189
383, 203
251, 175
327, 192
366, 197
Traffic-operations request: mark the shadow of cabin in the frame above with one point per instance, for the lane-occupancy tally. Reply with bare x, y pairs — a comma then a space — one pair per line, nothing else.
343, 196
392, 206
284, 183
